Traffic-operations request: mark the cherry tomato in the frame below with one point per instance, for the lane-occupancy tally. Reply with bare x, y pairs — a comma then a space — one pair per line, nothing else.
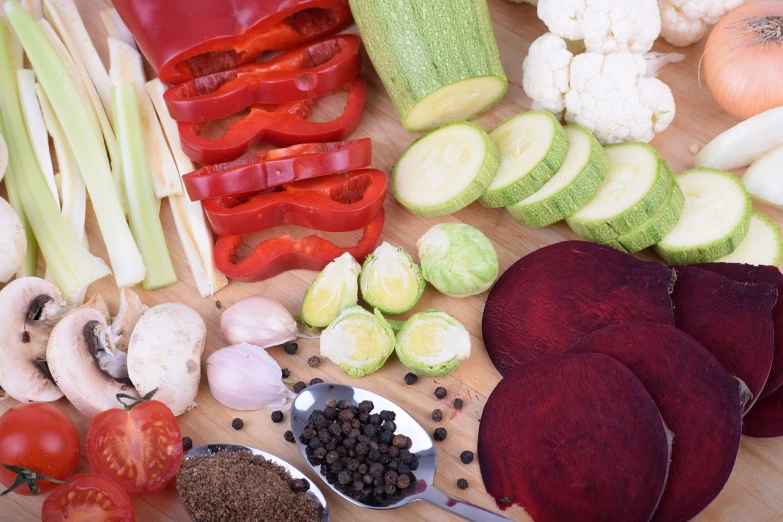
40, 442
140, 449
88, 497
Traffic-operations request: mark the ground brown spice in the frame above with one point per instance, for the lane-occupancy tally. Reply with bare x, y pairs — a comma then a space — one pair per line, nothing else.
241, 487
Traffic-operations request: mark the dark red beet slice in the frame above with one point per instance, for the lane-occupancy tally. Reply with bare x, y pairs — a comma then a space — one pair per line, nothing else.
574, 437
550, 299
766, 417
753, 275
700, 402
732, 320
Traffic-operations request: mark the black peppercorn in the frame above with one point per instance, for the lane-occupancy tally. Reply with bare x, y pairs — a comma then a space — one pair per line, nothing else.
314, 361
346, 416
399, 440
290, 348
388, 415
462, 483
411, 378
289, 436
369, 430
375, 419
366, 406
316, 381
277, 416
386, 437
458, 404
298, 387
286, 373
389, 426
187, 443
331, 402
299, 485
440, 392
343, 404
440, 434
237, 424
403, 481
466, 457
505, 500
344, 477
437, 415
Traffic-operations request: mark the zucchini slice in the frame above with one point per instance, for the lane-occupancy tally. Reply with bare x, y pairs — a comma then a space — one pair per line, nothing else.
714, 220
580, 175
762, 245
533, 146
635, 188
445, 170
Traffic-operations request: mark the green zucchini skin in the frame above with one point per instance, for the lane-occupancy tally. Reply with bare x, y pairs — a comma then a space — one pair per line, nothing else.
420, 46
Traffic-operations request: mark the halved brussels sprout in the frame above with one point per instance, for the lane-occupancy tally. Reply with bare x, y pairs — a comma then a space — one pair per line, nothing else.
390, 280
358, 341
432, 343
335, 288
458, 259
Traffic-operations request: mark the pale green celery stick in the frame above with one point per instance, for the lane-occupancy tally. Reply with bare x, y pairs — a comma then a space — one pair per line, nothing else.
88, 149
71, 264
30, 261
142, 203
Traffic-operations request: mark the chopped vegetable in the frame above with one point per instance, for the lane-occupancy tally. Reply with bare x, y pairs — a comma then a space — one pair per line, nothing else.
553, 297
116, 28
686, 383
13, 242
714, 220
432, 343
88, 495
446, 170
390, 280
29, 263
539, 413
260, 321
358, 341
335, 289
533, 146
685, 22
33, 119
732, 320
439, 63
762, 179
762, 246
744, 143
458, 259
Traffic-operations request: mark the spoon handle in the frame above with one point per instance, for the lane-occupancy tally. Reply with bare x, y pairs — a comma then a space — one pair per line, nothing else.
458, 507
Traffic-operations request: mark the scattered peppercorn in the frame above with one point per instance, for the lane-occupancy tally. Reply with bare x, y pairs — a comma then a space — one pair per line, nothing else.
440, 392
277, 416
298, 387
505, 500
462, 483
290, 348
466, 457
440, 434
299, 485
437, 415
411, 378
218, 304
237, 423
314, 361
316, 381
289, 436
187, 443
458, 404
286, 373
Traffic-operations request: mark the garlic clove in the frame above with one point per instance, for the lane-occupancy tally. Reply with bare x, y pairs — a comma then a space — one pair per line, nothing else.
260, 321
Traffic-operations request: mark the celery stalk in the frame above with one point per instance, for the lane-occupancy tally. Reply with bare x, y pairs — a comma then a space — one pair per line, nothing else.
36, 130
71, 264
30, 262
142, 204
87, 148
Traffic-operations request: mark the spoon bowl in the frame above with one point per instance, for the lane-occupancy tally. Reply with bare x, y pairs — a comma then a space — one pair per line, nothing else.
314, 398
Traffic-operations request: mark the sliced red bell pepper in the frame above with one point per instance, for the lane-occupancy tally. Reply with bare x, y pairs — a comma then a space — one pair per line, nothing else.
185, 39
275, 256
280, 125
308, 71
336, 203
272, 168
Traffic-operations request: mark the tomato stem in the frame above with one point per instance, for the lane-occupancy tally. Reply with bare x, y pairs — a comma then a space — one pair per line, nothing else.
135, 400
28, 477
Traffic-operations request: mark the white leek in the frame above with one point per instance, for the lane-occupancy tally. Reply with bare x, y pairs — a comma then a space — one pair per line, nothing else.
34, 7
142, 204
116, 28
33, 119
88, 149
763, 178
30, 262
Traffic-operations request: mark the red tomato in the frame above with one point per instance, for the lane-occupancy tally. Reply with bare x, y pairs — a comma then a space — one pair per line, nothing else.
88, 497
140, 449
41, 439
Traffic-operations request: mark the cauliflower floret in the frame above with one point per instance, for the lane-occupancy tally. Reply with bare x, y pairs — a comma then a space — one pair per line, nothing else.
546, 73
606, 26
684, 22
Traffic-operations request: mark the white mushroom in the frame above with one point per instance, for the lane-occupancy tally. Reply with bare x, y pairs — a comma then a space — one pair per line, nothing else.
165, 353
75, 346
13, 241
131, 310
28, 311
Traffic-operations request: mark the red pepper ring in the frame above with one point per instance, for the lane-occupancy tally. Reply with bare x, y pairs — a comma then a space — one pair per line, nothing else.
184, 39
336, 203
276, 167
308, 71
277, 255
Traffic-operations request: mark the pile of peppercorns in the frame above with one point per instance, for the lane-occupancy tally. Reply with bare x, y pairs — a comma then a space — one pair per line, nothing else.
359, 453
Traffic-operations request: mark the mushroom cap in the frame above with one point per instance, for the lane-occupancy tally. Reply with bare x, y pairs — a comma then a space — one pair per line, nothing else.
28, 310
131, 310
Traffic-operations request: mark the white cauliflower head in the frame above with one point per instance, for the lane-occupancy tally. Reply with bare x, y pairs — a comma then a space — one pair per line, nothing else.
606, 26
684, 22
609, 94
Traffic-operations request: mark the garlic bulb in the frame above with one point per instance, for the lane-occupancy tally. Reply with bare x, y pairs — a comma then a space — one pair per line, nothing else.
258, 320
245, 377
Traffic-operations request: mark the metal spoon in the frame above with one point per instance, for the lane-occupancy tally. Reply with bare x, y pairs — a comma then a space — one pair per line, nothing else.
315, 397
313, 493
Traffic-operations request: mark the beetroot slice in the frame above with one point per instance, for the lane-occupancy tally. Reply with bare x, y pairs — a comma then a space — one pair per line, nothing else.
574, 437
698, 399
550, 299
732, 320
753, 275
766, 417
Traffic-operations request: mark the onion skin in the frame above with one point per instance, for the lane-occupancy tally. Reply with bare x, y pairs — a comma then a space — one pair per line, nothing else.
745, 76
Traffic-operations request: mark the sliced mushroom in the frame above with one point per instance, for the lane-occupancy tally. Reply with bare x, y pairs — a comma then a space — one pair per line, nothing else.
76, 345
165, 353
131, 310
28, 312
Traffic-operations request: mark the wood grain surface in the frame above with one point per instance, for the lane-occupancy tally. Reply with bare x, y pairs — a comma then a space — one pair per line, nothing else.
754, 492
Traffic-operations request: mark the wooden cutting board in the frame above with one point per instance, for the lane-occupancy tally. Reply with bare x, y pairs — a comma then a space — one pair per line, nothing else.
754, 492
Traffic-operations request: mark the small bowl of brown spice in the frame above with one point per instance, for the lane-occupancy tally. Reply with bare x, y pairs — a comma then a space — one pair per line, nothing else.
220, 482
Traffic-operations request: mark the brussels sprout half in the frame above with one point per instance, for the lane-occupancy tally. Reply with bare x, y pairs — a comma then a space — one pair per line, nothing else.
335, 288
390, 280
358, 341
432, 343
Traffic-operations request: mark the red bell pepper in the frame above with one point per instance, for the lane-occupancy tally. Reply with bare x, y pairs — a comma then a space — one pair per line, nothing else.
281, 126
185, 39
276, 167
336, 203
277, 255
308, 71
